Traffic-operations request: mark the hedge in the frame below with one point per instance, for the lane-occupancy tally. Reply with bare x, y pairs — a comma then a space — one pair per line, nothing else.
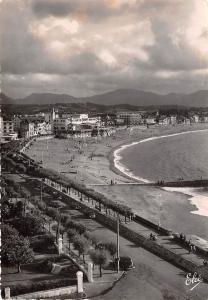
41, 286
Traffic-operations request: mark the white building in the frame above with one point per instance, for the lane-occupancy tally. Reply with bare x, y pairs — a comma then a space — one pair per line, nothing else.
42, 128
51, 116
150, 121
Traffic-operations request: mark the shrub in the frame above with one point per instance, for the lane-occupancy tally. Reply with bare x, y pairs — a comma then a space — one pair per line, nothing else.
29, 225
45, 266
80, 228
43, 244
42, 286
111, 247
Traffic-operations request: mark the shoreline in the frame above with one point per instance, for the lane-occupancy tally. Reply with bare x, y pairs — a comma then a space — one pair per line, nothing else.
97, 173
196, 199
193, 197
115, 154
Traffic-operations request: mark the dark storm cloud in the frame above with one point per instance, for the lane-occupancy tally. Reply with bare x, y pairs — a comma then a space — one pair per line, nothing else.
83, 47
44, 8
95, 10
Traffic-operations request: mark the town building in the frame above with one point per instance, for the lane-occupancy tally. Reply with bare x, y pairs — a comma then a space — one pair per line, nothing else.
150, 121
42, 128
129, 118
7, 130
51, 116
195, 118
27, 129
75, 124
60, 125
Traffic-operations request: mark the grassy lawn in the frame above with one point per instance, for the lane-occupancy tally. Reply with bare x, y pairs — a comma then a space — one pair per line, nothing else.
29, 274
32, 275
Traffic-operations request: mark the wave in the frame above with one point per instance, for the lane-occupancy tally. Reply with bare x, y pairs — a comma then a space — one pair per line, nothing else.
197, 199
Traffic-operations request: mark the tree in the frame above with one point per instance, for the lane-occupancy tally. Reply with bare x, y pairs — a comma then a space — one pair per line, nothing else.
18, 209
5, 208
15, 249
99, 257
81, 244
29, 225
111, 247
71, 233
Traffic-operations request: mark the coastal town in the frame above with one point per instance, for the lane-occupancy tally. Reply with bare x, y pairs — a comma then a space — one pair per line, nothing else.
56, 178
104, 139
66, 125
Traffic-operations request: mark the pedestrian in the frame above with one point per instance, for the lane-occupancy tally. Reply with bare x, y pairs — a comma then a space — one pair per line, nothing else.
190, 249
194, 248
205, 263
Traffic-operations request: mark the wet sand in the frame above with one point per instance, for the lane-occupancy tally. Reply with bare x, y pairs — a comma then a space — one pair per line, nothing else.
172, 209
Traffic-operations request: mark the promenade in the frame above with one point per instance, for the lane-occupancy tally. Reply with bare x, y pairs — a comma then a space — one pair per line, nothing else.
151, 276
165, 241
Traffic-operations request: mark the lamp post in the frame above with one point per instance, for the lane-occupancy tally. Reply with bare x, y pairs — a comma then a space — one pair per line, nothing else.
160, 209
58, 226
41, 190
118, 246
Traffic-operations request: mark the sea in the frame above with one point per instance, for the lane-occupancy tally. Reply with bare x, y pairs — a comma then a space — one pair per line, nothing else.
169, 158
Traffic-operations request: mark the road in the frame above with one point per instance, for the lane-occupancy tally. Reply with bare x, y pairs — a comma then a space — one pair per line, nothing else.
152, 278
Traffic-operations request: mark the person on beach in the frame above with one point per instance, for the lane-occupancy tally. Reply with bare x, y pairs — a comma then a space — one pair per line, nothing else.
194, 248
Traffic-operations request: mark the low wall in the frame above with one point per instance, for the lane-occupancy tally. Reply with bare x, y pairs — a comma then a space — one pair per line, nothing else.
48, 294
152, 246
151, 225
187, 183
70, 255
44, 137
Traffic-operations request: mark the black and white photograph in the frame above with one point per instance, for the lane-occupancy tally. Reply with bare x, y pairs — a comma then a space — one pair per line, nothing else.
104, 149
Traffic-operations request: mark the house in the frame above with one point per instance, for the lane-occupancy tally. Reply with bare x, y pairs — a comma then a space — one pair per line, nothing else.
173, 120
60, 125
150, 121
129, 118
163, 120
195, 118
7, 131
8, 127
27, 129
42, 128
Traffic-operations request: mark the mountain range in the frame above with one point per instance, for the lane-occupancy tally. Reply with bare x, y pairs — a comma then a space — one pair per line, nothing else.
121, 96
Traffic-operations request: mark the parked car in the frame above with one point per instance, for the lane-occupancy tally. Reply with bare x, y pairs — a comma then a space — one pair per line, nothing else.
125, 263
90, 215
98, 207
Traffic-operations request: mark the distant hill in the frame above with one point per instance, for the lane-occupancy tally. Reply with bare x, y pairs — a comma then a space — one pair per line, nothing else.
46, 98
5, 100
141, 98
117, 97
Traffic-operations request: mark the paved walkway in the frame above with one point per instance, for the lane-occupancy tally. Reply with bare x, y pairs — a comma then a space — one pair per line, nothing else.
164, 240
101, 284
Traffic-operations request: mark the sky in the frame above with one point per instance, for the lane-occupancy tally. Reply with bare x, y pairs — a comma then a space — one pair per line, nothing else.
87, 47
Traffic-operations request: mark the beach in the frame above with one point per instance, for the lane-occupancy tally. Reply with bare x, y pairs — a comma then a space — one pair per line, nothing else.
92, 163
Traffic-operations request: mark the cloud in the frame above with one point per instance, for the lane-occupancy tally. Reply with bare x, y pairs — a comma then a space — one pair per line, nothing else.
43, 8
85, 47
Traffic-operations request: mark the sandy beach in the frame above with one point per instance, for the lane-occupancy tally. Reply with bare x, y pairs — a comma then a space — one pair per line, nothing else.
92, 162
